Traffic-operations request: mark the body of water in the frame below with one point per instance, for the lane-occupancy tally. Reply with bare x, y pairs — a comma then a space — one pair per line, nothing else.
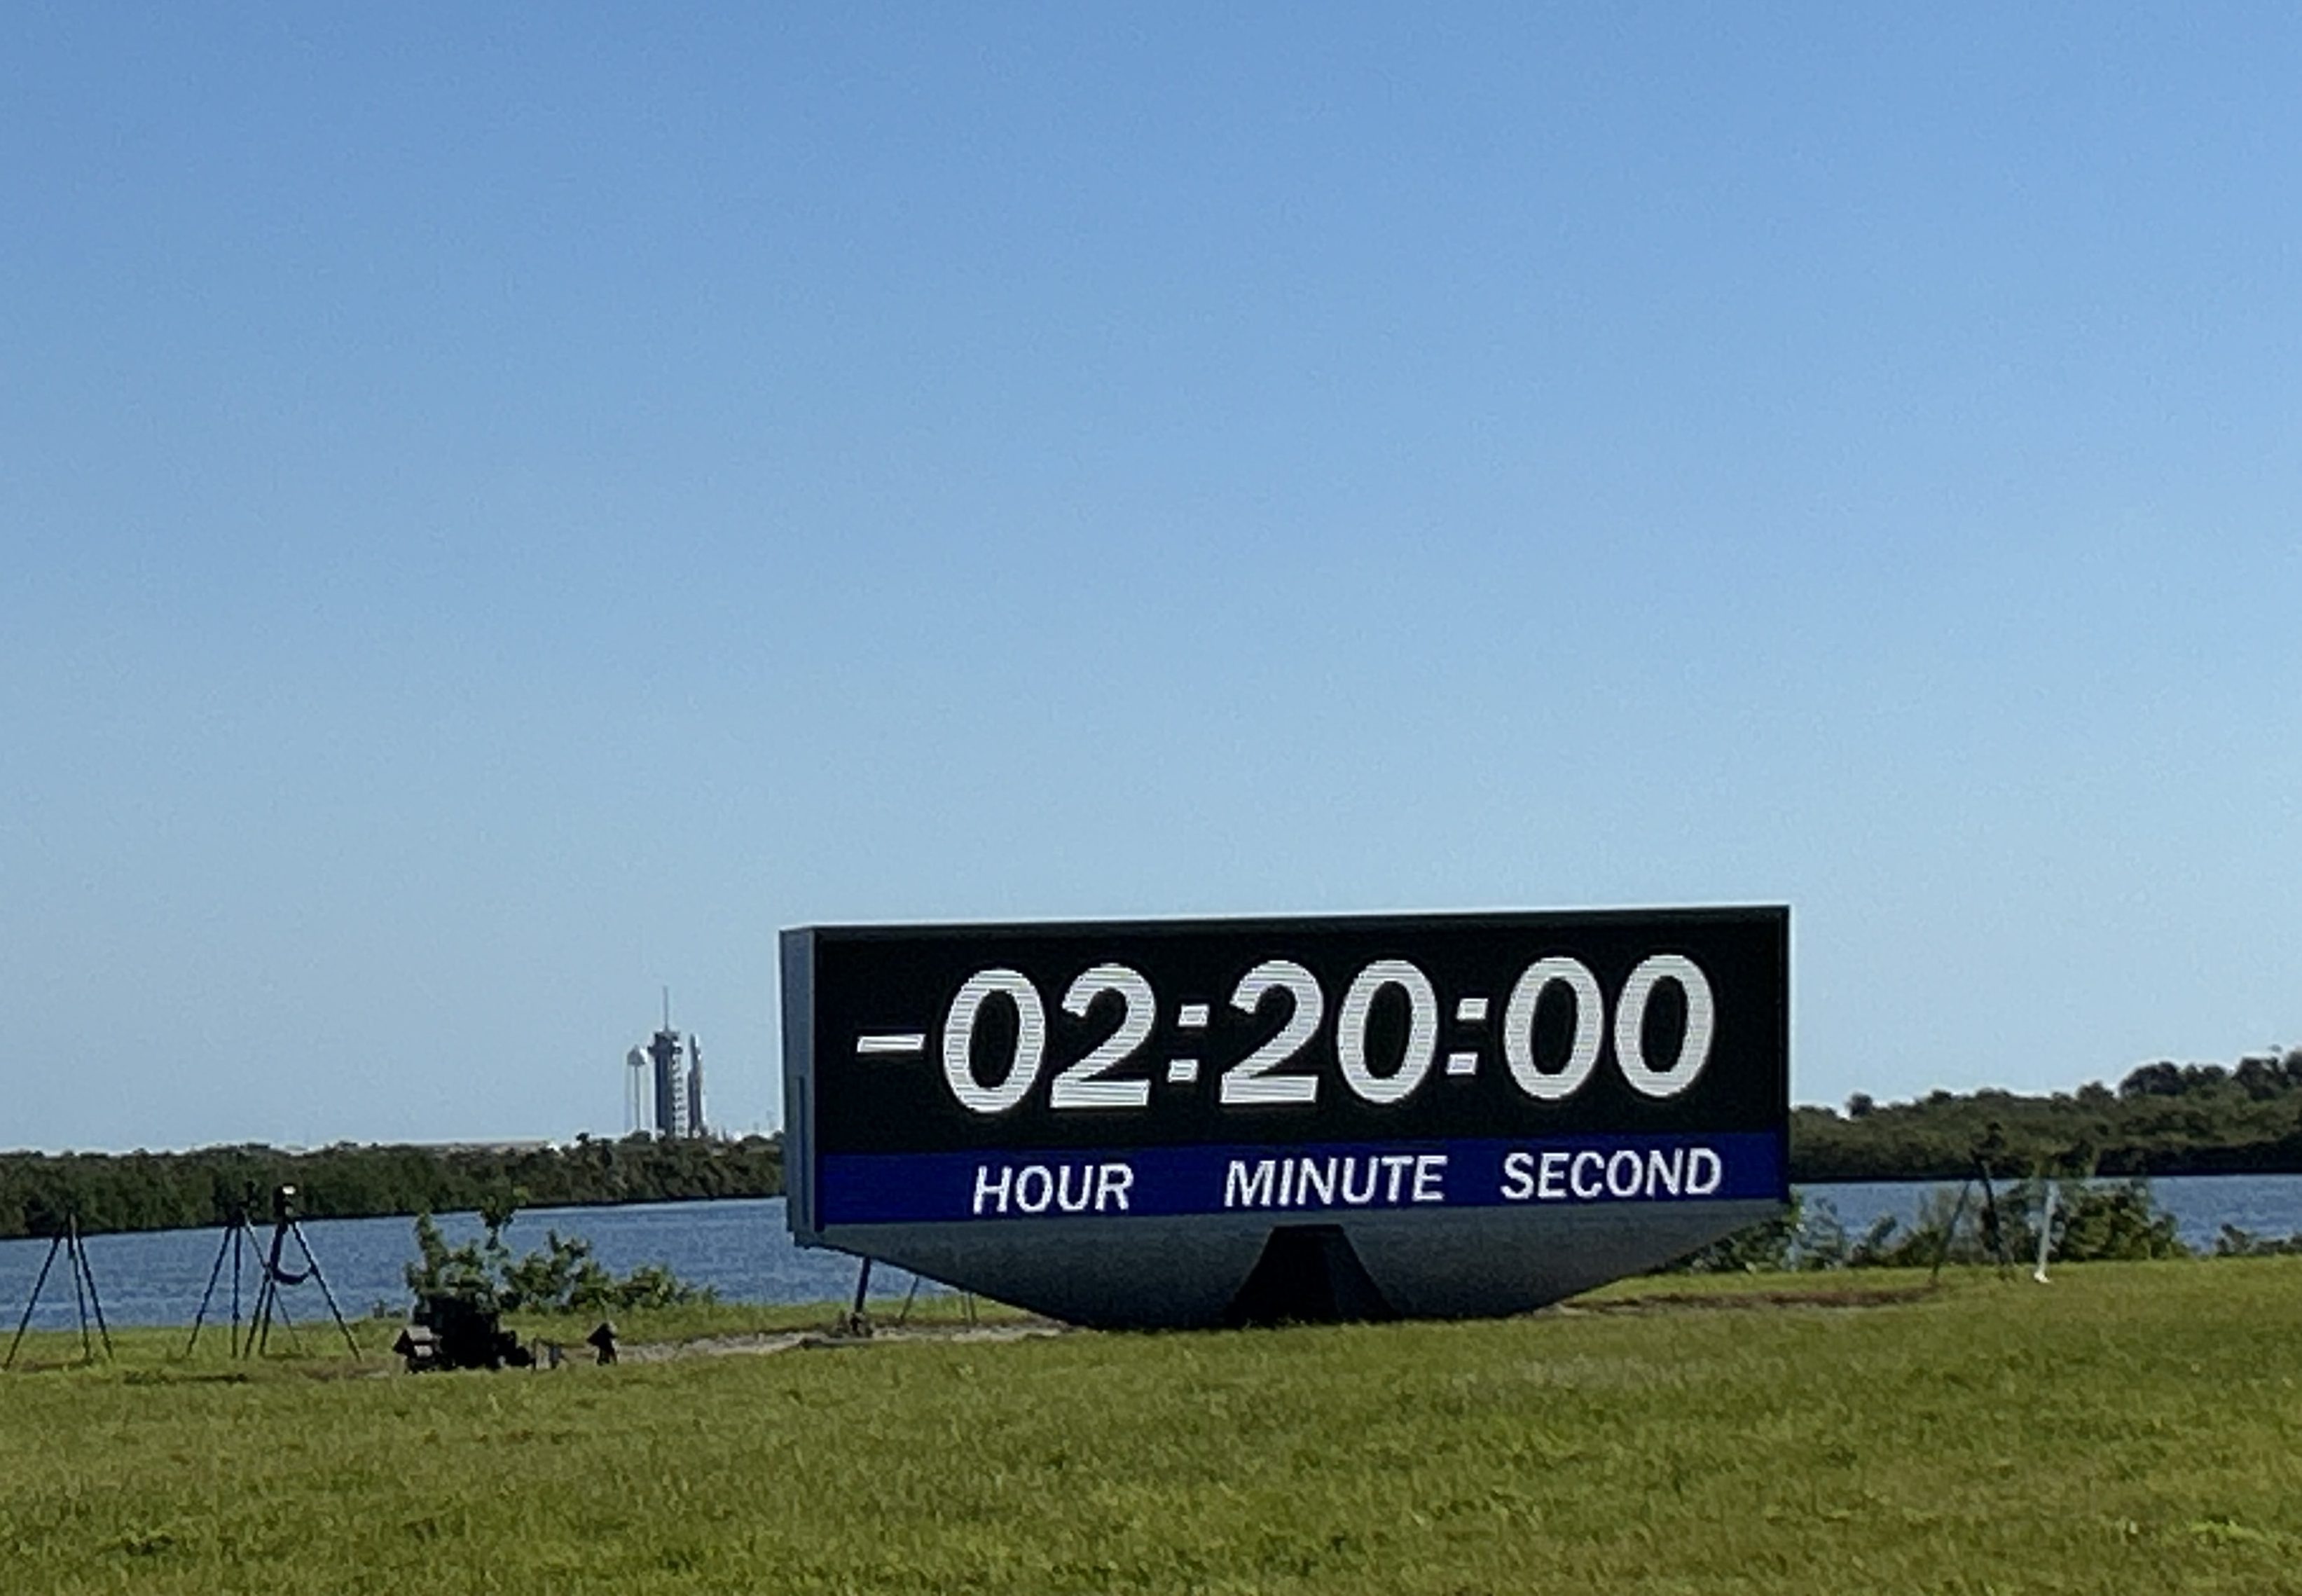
741, 1249
739, 1246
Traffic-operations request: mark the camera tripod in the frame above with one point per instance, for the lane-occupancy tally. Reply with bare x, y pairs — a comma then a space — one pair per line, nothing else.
1993, 1230
239, 1241
67, 1241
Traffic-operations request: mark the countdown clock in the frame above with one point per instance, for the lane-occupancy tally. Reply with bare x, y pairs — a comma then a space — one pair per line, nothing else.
1194, 1122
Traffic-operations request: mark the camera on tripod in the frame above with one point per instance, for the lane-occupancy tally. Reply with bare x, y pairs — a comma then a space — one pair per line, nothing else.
273, 1276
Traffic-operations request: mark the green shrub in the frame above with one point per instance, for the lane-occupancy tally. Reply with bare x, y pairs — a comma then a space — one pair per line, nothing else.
562, 1278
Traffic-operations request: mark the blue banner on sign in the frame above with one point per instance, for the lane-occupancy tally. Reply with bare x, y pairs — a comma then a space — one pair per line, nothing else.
1166, 1182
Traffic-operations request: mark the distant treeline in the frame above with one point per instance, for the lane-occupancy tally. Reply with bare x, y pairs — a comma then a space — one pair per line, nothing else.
157, 1191
2163, 1119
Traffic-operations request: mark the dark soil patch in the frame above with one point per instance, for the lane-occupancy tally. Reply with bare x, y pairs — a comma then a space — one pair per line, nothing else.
1874, 1297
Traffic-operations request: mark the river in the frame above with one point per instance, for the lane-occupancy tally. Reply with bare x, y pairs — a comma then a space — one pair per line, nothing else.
741, 1250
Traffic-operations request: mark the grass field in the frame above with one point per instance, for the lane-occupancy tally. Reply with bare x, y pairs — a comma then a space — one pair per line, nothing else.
2130, 1428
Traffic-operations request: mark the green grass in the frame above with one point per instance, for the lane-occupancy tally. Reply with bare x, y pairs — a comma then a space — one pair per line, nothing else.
2131, 1428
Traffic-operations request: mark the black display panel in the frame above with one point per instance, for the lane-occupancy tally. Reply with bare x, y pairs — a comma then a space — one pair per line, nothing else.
1297, 1031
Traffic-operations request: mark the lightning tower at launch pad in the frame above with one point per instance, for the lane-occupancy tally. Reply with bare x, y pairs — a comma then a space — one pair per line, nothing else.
664, 1082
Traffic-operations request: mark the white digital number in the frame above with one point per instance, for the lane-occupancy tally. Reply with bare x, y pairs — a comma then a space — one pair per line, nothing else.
1631, 1020
1264, 1078
1421, 1030
1080, 1085
959, 1040
1518, 1028
1251, 1079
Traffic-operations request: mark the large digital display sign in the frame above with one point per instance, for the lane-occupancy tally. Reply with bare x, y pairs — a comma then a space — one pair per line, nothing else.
1195, 1121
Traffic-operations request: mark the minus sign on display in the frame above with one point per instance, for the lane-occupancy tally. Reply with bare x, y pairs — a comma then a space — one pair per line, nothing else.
890, 1043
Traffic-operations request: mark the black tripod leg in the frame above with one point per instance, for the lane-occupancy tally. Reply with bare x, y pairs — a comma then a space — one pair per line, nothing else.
313, 1263
223, 1245
259, 1313
74, 1263
95, 1301
1942, 1253
269, 1311
238, 1230
33, 1301
267, 1301
1990, 1218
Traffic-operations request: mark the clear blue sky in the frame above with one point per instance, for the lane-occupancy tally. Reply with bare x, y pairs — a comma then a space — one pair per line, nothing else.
506, 508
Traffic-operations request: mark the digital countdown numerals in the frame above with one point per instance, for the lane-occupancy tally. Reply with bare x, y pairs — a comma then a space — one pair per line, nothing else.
1278, 1073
